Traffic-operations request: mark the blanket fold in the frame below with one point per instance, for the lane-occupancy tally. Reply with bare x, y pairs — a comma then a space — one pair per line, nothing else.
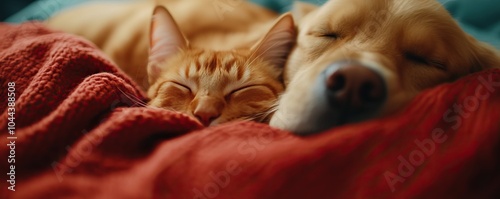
83, 132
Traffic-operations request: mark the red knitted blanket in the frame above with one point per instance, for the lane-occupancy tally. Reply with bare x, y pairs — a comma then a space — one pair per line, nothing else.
72, 126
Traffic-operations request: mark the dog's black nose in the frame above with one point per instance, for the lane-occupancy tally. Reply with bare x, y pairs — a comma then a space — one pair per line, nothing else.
354, 87
345, 92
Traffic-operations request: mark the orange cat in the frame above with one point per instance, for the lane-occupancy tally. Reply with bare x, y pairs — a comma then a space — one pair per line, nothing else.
230, 68
216, 86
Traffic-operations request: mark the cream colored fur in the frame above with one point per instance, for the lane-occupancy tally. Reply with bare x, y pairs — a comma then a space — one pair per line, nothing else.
386, 35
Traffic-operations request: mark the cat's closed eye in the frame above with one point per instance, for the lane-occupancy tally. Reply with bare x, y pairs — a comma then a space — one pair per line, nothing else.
252, 93
182, 86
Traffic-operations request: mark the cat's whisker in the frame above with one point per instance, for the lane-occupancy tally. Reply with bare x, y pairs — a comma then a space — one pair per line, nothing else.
133, 98
137, 101
164, 108
264, 116
262, 53
247, 119
261, 116
251, 55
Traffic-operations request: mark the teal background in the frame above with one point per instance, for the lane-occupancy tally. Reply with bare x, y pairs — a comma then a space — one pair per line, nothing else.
480, 18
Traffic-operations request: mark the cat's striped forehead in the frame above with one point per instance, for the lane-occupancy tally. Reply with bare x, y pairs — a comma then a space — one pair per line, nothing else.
222, 64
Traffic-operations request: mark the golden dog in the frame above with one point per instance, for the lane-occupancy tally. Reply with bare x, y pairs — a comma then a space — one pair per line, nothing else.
358, 59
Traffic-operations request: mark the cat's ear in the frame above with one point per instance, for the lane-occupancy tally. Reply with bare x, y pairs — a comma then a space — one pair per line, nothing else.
277, 43
165, 40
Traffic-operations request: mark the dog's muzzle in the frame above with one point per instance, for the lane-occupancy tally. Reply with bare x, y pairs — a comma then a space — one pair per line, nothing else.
346, 92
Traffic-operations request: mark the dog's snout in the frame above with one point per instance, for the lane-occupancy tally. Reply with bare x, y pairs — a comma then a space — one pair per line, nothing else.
355, 86
344, 92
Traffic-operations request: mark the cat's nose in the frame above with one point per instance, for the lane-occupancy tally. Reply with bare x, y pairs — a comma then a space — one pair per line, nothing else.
355, 87
207, 110
206, 114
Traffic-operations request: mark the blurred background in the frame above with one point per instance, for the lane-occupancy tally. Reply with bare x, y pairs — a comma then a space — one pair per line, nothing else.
480, 18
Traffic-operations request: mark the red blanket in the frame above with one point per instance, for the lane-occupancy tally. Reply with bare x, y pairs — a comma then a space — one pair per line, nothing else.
81, 132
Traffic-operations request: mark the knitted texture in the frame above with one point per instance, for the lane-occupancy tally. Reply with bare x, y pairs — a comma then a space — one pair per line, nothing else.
81, 134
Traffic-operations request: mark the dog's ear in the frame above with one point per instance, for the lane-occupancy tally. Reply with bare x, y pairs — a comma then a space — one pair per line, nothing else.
484, 55
301, 9
165, 40
275, 46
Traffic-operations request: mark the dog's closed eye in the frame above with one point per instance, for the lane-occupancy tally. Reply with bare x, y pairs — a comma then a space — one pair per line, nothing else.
421, 60
331, 35
326, 34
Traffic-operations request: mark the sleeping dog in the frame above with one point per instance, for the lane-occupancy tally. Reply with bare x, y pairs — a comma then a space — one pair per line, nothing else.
355, 60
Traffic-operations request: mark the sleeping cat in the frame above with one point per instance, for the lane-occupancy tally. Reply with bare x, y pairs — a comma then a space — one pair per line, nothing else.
216, 86
217, 63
